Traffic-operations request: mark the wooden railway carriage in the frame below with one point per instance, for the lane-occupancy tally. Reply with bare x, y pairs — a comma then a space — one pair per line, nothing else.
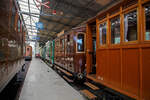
69, 52
11, 41
122, 48
28, 56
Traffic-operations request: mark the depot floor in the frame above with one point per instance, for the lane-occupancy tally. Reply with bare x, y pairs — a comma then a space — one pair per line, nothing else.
42, 83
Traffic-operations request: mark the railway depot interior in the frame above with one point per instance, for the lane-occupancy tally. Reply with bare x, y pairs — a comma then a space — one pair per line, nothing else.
75, 50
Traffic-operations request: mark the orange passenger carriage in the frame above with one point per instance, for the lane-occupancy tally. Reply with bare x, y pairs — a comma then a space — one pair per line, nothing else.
122, 48
28, 56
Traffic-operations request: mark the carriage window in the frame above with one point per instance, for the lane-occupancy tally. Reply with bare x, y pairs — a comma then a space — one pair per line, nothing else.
22, 28
19, 24
130, 26
147, 21
80, 43
102, 33
115, 30
13, 15
63, 44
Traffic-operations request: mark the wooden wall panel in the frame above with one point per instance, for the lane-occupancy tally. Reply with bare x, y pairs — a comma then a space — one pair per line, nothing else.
79, 62
130, 70
115, 67
146, 73
102, 68
88, 49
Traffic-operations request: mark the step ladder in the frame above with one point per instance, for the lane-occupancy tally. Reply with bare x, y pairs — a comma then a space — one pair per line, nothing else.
88, 94
64, 71
67, 79
92, 86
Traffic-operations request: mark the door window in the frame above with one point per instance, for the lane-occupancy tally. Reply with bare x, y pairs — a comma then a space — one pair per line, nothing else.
147, 22
80, 42
130, 26
102, 33
115, 30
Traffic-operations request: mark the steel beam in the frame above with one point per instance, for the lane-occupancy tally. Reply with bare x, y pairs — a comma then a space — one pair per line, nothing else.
29, 12
30, 25
33, 15
47, 15
50, 20
25, 2
75, 7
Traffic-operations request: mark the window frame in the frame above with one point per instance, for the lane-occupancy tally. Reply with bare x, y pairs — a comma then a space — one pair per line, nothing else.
114, 17
121, 13
144, 1
98, 32
19, 20
126, 12
144, 24
77, 44
15, 15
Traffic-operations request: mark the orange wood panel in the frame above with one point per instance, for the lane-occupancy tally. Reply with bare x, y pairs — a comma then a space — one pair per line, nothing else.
102, 66
146, 73
89, 48
131, 71
79, 62
115, 67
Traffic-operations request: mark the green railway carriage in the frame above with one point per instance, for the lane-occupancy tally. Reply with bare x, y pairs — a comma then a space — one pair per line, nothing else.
47, 52
50, 51
40, 49
44, 52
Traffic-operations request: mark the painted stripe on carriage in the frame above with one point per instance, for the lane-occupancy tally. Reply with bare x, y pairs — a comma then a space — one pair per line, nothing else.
92, 86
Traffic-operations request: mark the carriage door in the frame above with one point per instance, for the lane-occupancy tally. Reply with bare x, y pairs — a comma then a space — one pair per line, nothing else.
91, 49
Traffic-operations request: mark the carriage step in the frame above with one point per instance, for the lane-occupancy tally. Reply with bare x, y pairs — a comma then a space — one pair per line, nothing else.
93, 87
64, 71
66, 78
88, 94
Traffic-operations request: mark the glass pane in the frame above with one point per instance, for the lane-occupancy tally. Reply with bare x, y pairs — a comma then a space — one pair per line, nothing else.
19, 25
130, 26
13, 15
80, 42
115, 30
102, 33
3, 48
147, 21
63, 44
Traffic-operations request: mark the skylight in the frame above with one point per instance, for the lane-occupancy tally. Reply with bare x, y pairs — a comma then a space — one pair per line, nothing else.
28, 9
